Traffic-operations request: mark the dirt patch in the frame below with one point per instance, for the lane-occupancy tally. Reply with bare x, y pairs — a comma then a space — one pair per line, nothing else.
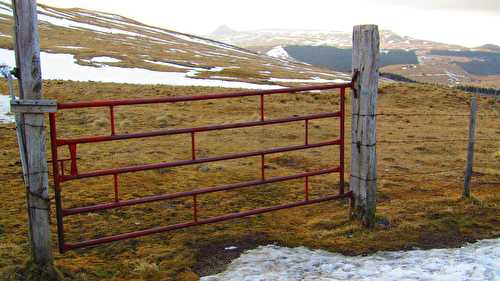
450, 238
214, 256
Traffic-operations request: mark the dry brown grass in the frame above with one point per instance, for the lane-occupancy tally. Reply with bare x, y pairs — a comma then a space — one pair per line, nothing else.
415, 210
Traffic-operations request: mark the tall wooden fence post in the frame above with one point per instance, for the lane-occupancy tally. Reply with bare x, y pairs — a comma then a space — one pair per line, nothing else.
470, 148
365, 65
27, 49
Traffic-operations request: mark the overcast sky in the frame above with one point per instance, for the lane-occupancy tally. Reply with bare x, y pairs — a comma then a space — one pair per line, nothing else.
466, 22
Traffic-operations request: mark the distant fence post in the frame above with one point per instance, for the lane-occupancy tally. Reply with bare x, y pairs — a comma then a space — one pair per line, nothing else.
365, 65
470, 147
32, 129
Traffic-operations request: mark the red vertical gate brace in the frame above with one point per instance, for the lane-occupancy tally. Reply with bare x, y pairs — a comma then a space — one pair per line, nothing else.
342, 139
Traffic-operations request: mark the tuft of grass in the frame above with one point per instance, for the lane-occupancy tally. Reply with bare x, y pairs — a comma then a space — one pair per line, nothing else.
147, 270
31, 272
162, 121
100, 123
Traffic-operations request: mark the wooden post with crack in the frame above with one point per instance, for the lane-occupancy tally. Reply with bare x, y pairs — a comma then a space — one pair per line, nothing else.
30, 109
365, 65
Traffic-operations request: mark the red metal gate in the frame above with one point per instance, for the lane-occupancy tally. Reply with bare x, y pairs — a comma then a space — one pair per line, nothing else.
60, 176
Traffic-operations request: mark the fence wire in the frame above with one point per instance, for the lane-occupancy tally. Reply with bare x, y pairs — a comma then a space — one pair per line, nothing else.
438, 139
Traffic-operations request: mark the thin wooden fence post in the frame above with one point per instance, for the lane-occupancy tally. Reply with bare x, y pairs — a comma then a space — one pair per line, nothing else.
470, 147
27, 49
365, 65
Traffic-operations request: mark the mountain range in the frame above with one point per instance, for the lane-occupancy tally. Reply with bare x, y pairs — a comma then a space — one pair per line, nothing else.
436, 62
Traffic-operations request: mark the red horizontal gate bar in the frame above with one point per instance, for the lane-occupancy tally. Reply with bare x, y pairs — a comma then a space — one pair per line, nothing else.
83, 140
139, 168
105, 103
149, 199
136, 234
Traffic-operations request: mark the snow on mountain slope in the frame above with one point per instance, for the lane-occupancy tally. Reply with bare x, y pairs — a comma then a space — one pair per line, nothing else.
276, 37
103, 43
278, 52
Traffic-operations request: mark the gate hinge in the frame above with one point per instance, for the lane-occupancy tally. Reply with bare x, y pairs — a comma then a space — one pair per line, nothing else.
33, 106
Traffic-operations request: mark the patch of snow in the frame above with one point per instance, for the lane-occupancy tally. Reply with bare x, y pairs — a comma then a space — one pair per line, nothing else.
178, 51
313, 80
223, 77
5, 11
104, 59
63, 22
63, 66
71, 47
278, 52
479, 261
168, 64
54, 13
230, 248
5, 117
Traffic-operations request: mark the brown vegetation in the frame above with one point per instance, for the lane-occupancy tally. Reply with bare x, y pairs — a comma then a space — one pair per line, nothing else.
419, 204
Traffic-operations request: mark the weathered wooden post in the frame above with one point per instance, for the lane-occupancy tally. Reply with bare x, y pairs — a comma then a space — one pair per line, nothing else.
470, 148
365, 65
32, 129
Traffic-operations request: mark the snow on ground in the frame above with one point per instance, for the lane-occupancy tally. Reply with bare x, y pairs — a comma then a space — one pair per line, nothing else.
168, 64
4, 110
479, 261
63, 66
312, 80
278, 52
71, 47
104, 59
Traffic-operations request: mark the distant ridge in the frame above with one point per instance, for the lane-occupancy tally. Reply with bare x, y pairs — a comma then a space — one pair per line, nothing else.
489, 47
223, 30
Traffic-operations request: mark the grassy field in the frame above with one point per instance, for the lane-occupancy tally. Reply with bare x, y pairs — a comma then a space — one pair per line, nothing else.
419, 193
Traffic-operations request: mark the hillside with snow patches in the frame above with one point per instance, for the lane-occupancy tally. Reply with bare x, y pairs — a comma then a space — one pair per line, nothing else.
86, 45
83, 45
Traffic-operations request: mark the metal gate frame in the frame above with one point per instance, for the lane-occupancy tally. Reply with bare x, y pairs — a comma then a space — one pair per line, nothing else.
60, 177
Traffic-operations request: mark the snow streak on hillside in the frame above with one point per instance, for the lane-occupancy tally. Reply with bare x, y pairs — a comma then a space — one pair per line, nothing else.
480, 261
63, 66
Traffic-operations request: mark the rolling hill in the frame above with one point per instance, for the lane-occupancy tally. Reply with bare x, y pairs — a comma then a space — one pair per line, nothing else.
83, 45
